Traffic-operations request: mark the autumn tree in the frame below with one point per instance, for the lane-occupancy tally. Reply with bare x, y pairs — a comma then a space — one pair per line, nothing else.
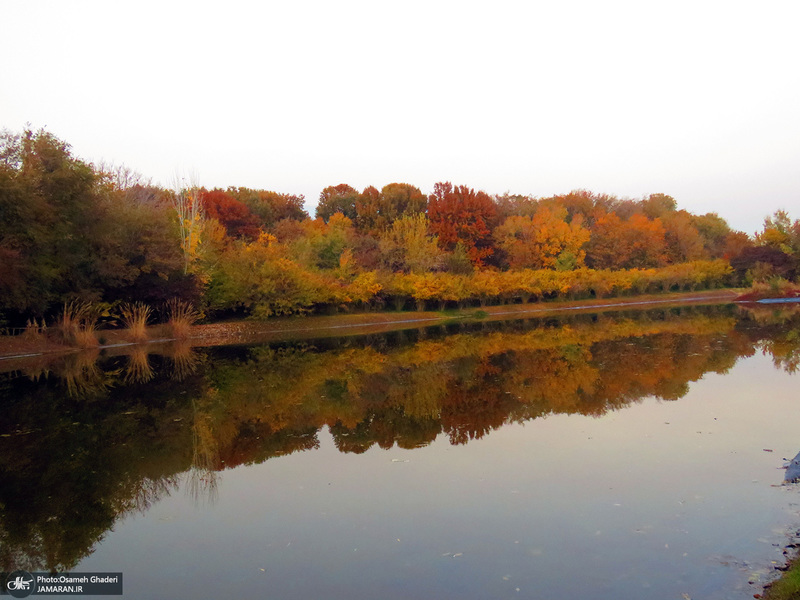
683, 241
714, 231
636, 243
587, 204
377, 210
659, 206
409, 247
270, 207
368, 210
761, 262
232, 214
322, 244
537, 242
260, 279
782, 233
508, 205
340, 198
187, 202
776, 250
400, 199
463, 215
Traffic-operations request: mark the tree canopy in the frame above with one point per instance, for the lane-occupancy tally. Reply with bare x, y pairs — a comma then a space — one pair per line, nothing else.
72, 230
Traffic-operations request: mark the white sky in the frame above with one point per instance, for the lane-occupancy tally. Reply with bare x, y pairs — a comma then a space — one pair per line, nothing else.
698, 99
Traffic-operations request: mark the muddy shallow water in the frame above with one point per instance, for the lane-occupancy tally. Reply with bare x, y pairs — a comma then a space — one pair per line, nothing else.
630, 455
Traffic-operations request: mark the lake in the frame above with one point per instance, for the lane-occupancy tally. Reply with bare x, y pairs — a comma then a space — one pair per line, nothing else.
624, 454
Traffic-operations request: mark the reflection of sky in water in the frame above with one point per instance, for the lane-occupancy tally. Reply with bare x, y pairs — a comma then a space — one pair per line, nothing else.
655, 500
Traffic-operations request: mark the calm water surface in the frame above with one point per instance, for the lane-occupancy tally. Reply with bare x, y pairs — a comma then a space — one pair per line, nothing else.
628, 455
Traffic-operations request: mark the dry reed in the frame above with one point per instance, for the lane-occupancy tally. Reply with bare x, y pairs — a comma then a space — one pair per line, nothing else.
134, 317
78, 324
180, 317
34, 331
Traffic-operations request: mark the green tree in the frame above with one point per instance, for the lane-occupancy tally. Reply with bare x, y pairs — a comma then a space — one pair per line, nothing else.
259, 279
270, 207
659, 206
378, 210
340, 198
714, 231
52, 216
321, 244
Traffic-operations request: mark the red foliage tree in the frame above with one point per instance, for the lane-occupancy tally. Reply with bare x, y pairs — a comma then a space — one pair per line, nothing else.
232, 214
270, 207
463, 215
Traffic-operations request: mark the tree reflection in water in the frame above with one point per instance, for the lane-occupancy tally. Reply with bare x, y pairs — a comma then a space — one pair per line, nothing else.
86, 441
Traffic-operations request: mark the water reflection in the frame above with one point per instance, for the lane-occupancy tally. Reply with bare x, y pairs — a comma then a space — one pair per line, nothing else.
86, 441
139, 369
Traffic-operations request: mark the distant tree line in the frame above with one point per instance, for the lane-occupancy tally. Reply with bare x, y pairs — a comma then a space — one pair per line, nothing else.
70, 230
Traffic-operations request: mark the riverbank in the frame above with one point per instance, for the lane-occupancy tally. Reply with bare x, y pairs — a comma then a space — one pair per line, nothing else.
788, 586
16, 348
781, 291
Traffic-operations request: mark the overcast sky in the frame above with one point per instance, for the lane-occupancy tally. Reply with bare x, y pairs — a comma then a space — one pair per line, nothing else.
699, 100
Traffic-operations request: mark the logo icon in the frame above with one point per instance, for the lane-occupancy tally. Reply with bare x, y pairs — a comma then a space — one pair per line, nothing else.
20, 584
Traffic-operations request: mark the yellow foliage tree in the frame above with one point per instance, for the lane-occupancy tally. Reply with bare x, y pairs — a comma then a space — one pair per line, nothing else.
537, 242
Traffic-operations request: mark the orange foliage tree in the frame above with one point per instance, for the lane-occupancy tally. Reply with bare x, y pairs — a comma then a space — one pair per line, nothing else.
537, 242
683, 240
638, 242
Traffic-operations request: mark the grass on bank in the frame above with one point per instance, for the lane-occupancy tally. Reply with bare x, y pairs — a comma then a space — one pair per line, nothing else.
77, 325
180, 318
181, 322
135, 317
787, 587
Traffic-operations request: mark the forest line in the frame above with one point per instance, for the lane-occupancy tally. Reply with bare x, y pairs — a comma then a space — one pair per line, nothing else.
75, 232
